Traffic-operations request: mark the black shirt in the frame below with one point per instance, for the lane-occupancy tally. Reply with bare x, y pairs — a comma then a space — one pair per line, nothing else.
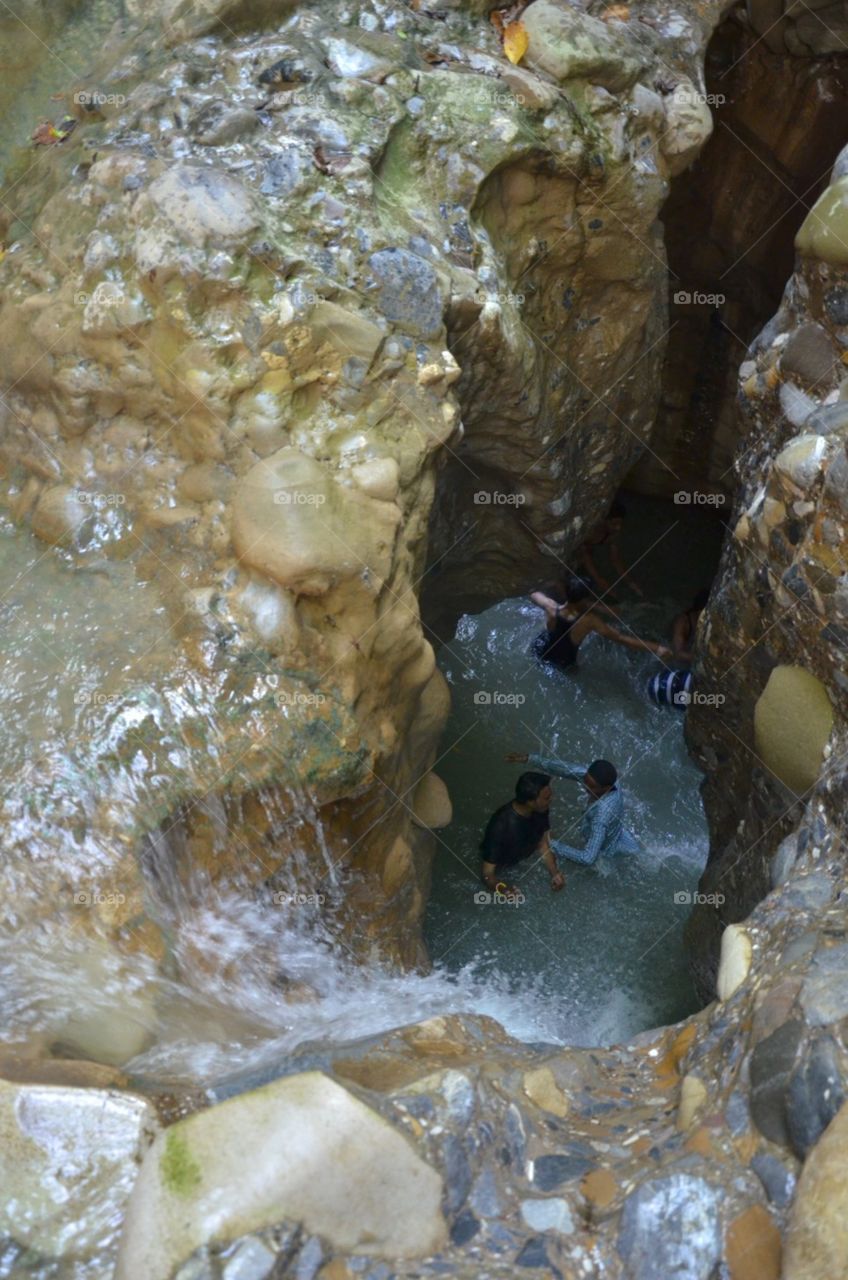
509, 837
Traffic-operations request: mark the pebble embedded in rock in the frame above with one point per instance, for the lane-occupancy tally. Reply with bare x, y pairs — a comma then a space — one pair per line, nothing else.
670, 1227
815, 1094
736, 955
553, 1214
408, 290
550, 1172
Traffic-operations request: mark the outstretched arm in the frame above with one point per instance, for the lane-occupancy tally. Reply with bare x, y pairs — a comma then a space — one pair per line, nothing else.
590, 852
548, 764
632, 642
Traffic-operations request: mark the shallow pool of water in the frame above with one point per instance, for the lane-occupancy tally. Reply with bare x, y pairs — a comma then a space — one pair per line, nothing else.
605, 956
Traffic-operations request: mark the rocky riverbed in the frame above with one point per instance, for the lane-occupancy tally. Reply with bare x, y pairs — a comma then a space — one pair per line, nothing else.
319, 312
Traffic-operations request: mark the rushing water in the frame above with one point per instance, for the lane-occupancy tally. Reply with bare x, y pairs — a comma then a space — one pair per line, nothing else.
255, 984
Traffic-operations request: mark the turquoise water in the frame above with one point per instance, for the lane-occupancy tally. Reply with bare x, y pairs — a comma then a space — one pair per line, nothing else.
606, 954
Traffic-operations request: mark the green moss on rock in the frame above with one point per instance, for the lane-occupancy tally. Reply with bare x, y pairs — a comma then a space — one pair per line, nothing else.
180, 1171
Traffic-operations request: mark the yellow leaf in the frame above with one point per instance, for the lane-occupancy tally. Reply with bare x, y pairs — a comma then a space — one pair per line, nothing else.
515, 41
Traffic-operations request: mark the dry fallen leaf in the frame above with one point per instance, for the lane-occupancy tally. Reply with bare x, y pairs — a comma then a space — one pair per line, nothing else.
515, 41
616, 13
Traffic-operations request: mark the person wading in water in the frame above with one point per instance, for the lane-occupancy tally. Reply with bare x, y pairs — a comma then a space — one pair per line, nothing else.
602, 826
567, 625
516, 831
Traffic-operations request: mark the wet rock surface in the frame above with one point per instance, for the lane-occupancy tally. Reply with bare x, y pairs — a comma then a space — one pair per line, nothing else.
256, 354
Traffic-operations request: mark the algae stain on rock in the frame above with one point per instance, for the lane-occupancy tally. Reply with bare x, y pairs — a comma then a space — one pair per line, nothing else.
180, 1171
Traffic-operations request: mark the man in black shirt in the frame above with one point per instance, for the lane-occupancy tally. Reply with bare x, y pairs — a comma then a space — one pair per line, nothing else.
519, 829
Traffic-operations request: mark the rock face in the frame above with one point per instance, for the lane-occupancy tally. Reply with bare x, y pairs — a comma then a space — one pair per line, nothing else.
268, 281
302, 1149
68, 1161
772, 743
729, 224
266, 303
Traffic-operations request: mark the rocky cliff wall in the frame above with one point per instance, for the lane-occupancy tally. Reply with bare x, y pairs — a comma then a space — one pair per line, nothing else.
290, 278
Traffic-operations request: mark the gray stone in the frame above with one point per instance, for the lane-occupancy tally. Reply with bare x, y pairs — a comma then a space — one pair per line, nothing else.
828, 419
670, 1227
836, 304
771, 1065
783, 860
485, 1198
779, 1182
216, 124
457, 1173
408, 290
809, 354
737, 1113
67, 1164
553, 1214
204, 204
811, 891
824, 995
250, 1260
815, 1094
799, 948
465, 1228
308, 1260
282, 173
551, 1171
534, 1254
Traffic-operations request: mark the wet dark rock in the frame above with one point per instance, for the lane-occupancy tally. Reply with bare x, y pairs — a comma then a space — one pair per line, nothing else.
815, 1094
516, 1136
457, 1173
836, 304
670, 1227
550, 1172
779, 1182
286, 71
485, 1198
534, 1254
824, 995
809, 354
407, 290
464, 1228
771, 1065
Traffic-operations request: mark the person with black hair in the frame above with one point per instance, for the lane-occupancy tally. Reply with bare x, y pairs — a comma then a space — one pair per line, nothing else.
603, 828
517, 830
568, 624
685, 626
605, 534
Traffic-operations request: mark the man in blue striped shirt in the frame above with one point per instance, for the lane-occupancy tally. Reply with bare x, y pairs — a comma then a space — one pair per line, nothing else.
602, 826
